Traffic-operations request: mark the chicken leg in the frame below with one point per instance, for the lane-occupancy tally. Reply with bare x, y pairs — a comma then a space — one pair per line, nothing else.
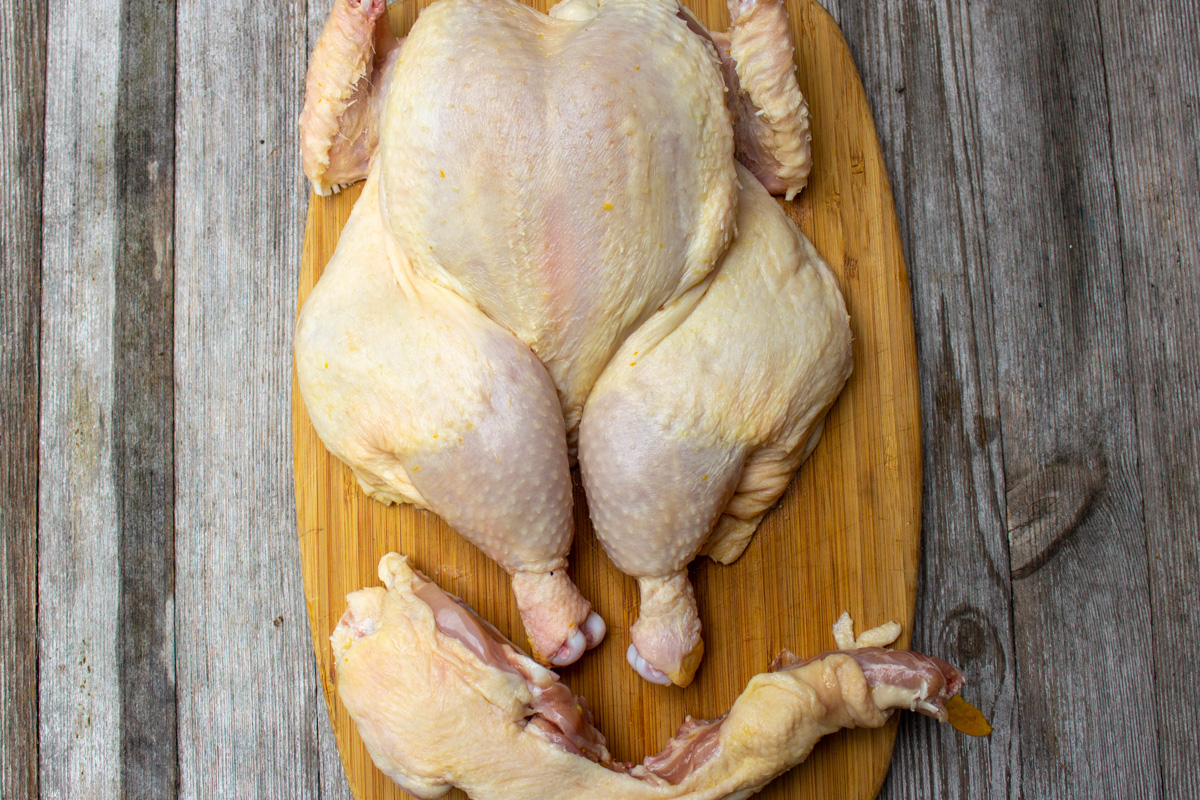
688, 438
432, 403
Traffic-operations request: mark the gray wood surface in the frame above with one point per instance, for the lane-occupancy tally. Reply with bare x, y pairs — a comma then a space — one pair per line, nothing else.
916, 75
79, 591
1045, 159
1157, 178
23, 71
144, 399
246, 685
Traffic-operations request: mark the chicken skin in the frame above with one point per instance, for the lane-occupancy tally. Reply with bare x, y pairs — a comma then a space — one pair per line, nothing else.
547, 197
688, 439
509, 729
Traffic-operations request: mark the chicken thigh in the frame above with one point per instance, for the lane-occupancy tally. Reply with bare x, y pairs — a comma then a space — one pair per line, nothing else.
471, 429
543, 191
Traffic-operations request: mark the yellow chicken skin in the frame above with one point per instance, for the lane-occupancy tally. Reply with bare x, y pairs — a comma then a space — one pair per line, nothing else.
504, 728
545, 194
688, 439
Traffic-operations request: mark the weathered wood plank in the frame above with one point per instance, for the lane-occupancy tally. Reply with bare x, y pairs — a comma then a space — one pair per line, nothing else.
143, 397
105, 545
247, 695
317, 14
1073, 499
913, 64
78, 574
333, 775
23, 71
1150, 52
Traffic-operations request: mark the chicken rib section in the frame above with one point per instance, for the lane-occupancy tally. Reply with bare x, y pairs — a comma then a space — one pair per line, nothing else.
688, 439
509, 729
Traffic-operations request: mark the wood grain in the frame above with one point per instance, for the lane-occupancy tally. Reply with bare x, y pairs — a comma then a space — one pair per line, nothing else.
247, 705
917, 66
846, 534
78, 573
1150, 52
144, 398
22, 70
107, 632
1065, 406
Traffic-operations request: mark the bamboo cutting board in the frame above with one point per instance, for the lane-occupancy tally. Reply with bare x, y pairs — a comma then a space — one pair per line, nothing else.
846, 535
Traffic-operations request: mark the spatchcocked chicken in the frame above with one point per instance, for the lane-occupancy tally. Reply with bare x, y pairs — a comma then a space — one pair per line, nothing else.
556, 255
515, 731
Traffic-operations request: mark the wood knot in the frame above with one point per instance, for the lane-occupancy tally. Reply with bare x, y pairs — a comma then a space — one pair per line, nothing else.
1049, 504
968, 636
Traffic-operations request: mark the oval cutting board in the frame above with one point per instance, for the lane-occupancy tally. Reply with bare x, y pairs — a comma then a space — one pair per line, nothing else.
846, 535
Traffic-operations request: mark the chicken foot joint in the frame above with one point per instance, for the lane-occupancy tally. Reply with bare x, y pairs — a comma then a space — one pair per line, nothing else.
509, 729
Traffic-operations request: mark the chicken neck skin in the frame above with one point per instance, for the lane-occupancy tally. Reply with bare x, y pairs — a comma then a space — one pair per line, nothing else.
392, 654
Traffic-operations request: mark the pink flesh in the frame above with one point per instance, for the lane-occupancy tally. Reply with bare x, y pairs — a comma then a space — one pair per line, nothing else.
908, 670
454, 619
557, 714
562, 719
694, 24
902, 669
690, 748
560, 708
358, 627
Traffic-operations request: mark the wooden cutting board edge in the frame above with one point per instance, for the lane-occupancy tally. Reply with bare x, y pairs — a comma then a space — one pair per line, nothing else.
820, 43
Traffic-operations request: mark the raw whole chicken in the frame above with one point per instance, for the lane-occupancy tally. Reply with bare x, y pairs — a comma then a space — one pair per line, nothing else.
555, 254
508, 729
